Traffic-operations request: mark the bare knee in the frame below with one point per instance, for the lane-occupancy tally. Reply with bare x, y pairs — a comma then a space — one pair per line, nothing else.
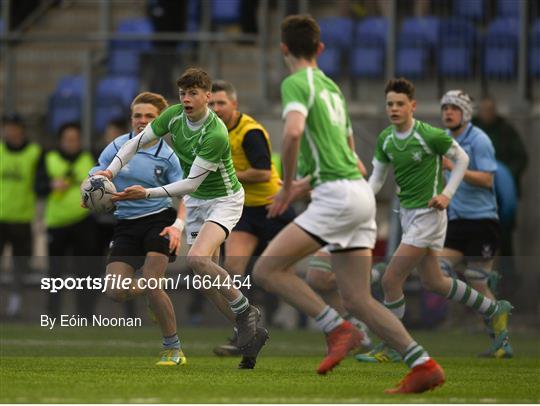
356, 304
198, 263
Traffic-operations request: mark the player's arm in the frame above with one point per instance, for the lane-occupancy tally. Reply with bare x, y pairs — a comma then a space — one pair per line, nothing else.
475, 178
378, 176
293, 130
174, 231
128, 151
461, 162
198, 173
361, 166
258, 154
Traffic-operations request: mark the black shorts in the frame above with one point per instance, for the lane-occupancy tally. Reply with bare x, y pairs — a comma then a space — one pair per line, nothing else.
478, 239
254, 221
133, 239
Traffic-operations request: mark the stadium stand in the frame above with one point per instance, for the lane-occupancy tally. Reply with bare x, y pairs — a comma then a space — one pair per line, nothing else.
500, 48
471, 9
415, 43
367, 59
65, 104
226, 15
508, 8
457, 43
113, 97
534, 49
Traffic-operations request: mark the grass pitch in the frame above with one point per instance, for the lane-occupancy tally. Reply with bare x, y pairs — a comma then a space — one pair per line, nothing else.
113, 365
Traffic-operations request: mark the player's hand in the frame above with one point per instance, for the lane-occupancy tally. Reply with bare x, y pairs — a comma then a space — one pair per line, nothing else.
447, 164
107, 173
439, 202
301, 188
280, 203
130, 193
174, 236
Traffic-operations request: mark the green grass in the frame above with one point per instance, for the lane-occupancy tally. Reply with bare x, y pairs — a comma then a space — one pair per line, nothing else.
107, 365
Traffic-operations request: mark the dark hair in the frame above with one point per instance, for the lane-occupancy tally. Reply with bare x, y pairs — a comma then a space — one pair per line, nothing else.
400, 85
119, 123
13, 119
302, 35
224, 86
156, 100
194, 78
65, 126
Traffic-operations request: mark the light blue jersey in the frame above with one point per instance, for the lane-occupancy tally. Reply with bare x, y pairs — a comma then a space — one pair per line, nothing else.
474, 202
151, 167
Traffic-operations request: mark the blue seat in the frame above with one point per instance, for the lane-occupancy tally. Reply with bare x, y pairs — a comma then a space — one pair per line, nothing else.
417, 38
65, 103
412, 62
337, 31
456, 61
471, 9
371, 31
368, 56
500, 48
226, 11
330, 62
419, 31
457, 44
367, 61
134, 26
113, 98
124, 62
508, 8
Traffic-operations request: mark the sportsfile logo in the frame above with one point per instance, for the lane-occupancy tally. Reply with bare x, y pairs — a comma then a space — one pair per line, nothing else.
115, 282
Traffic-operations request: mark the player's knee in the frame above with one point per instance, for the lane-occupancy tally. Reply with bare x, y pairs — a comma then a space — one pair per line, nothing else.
234, 266
198, 263
353, 303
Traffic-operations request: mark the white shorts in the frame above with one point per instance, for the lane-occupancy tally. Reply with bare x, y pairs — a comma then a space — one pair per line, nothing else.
225, 211
342, 213
423, 228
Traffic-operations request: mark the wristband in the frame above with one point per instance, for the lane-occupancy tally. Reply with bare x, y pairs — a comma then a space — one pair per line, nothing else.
179, 224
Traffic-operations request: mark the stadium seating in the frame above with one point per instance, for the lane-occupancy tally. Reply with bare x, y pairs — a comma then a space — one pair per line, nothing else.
416, 41
457, 44
508, 8
471, 9
65, 104
337, 31
113, 98
225, 11
500, 48
367, 59
534, 49
330, 62
134, 26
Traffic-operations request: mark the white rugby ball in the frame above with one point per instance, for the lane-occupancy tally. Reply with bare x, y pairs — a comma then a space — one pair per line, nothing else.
96, 193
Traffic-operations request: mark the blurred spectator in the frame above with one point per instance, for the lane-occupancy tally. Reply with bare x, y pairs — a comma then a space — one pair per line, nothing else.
70, 228
18, 162
166, 16
510, 150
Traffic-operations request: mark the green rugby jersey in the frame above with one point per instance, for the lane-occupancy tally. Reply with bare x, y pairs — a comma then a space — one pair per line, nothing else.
417, 162
210, 142
324, 151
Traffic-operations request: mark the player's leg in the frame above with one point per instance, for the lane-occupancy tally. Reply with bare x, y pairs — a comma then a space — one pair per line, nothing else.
274, 272
352, 269
199, 258
20, 236
322, 280
160, 303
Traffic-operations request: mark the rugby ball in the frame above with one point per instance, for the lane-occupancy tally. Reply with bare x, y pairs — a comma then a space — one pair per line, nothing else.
96, 193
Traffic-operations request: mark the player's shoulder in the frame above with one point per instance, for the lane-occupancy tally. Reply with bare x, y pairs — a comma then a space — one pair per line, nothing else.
385, 133
215, 127
426, 129
296, 79
479, 136
119, 141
